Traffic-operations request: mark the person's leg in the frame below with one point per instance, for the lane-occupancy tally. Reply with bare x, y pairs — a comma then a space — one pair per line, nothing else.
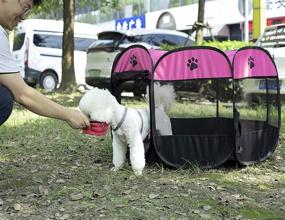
6, 103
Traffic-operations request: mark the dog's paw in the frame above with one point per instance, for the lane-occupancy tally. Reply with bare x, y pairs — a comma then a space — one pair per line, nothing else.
138, 172
115, 169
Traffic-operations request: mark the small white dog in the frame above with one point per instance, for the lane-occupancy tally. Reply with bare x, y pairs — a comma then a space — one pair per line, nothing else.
129, 126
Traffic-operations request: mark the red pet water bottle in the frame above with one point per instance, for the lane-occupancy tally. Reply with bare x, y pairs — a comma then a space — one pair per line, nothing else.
97, 128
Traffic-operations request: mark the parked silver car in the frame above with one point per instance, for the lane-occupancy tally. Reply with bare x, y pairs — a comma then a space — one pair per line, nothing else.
273, 40
101, 54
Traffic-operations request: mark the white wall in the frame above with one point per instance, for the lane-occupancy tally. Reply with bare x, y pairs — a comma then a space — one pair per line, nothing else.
110, 25
217, 14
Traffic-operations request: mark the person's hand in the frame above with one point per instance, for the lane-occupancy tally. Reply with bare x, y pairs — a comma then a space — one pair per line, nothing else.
77, 119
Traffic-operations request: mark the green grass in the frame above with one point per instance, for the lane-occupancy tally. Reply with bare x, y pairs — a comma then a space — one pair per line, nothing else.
43, 163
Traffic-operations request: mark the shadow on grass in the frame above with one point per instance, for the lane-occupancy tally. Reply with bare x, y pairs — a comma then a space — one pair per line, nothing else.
51, 170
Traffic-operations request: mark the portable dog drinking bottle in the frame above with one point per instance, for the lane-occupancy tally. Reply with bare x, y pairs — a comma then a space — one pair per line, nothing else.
97, 128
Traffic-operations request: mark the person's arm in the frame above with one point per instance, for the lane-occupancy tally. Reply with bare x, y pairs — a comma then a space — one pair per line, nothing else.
40, 104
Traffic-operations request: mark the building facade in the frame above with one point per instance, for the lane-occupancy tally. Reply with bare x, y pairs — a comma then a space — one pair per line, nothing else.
225, 17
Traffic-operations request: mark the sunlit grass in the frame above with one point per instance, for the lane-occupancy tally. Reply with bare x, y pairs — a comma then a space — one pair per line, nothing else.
20, 117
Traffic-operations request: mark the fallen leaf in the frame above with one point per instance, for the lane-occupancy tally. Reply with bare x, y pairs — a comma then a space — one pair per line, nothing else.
153, 196
17, 207
60, 181
95, 195
100, 208
76, 197
43, 191
181, 213
212, 188
127, 192
207, 207
205, 216
119, 206
196, 211
63, 217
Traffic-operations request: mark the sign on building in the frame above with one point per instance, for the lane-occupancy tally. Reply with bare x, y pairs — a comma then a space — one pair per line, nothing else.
135, 22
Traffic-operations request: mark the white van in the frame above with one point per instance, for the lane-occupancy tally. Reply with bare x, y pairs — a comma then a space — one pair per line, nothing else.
37, 48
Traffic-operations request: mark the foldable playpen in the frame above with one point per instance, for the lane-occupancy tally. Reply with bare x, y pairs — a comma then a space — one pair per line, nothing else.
214, 119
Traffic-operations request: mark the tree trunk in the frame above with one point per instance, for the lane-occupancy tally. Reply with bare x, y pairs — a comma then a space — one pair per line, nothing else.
199, 31
68, 74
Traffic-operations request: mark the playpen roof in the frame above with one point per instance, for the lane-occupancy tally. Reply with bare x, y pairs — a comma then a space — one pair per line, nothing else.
156, 54
193, 63
197, 63
253, 62
135, 58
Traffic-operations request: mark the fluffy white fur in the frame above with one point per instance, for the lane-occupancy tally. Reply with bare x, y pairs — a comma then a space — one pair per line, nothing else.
164, 97
101, 105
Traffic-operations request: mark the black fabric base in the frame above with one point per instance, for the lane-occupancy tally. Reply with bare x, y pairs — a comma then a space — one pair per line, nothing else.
257, 142
205, 142
211, 142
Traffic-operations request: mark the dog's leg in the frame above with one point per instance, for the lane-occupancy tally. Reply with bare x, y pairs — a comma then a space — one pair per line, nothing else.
137, 154
119, 153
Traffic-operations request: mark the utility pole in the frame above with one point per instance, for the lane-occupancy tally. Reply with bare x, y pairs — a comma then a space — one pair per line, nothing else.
246, 14
199, 30
259, 18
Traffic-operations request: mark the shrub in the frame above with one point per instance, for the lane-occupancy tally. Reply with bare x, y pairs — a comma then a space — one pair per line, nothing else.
222, 45
227, 45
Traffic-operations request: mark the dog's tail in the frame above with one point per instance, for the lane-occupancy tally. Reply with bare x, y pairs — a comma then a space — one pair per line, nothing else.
164, 96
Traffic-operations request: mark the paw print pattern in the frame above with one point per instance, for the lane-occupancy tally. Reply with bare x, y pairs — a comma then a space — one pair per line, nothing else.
134, 61
192, 63
251, 62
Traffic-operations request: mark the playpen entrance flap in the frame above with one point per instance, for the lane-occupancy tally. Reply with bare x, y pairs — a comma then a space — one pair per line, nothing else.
202, 128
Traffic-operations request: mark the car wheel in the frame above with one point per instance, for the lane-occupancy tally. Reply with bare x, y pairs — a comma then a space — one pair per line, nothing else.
48, 81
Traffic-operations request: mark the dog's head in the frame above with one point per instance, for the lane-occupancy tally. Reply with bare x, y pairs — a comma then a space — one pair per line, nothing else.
98, 105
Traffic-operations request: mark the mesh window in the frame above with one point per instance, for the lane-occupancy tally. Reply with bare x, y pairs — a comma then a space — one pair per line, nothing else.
257, 99
200, 99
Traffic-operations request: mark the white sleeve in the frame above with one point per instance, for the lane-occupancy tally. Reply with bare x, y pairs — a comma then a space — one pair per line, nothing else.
7, 62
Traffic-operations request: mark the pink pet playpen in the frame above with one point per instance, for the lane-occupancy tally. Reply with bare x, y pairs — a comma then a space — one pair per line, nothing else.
213, 120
